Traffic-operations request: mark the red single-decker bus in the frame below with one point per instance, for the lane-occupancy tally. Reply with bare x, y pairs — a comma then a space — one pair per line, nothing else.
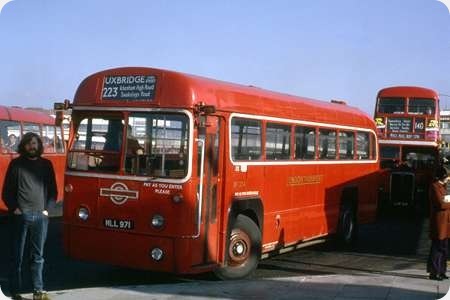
186, 174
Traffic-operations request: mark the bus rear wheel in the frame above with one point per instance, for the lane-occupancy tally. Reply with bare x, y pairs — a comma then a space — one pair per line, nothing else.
348, 226
243, 250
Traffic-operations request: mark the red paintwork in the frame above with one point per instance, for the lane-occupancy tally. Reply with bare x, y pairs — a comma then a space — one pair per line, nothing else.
175, 90
407, 92
292, 213
28, 116
422, 176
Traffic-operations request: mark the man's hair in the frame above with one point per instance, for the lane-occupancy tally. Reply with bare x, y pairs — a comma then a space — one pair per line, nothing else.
27, 137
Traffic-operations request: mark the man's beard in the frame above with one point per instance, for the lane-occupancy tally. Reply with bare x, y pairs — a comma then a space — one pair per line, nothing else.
32, 154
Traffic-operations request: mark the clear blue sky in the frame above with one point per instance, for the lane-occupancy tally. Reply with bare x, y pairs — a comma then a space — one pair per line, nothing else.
323, 49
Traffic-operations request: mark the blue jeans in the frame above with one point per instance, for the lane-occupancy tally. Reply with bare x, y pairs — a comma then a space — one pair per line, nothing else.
34, 225
437, 260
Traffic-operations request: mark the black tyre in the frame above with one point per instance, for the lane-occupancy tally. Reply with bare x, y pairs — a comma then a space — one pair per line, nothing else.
348, 226
243, 250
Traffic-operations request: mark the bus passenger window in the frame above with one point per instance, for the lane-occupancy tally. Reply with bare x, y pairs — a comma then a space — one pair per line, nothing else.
305, 142
346, 145
393, 105
245, 139
362, 145
29, 127
9, 136
278, 141
373, 145
48, 138
327, 144
422, 106
59, 143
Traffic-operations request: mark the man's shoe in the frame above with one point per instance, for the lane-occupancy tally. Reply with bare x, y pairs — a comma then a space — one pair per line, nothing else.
443, 276
42, 295
435, 277
17, 297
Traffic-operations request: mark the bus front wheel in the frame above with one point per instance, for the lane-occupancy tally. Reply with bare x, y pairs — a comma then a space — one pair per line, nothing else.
243, 250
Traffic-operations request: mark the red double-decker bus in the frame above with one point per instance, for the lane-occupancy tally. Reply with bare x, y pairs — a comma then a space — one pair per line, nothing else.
186, 174
14, 122
407, 121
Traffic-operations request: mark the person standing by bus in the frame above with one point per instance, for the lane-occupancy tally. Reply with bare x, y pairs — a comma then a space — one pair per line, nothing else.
439, 222
28, 189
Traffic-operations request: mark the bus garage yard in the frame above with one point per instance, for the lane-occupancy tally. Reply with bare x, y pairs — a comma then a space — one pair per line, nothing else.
388, 262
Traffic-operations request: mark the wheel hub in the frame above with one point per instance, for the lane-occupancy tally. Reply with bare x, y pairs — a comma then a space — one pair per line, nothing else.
239, 249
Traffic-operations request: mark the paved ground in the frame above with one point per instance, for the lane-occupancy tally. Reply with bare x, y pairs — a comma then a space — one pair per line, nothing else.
356, 286
387, 263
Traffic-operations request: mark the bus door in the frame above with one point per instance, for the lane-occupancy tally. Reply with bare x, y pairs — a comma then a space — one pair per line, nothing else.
213, 136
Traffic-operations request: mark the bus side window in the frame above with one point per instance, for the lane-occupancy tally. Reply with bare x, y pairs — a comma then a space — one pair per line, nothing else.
59, 144
373, 144
327, 144
245, 139
305, 142
346, 145
48, 138
30, 127
278, 141
362, 145
9, 136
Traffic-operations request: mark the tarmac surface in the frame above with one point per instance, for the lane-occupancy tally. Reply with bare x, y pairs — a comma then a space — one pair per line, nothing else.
337, 287
388, 262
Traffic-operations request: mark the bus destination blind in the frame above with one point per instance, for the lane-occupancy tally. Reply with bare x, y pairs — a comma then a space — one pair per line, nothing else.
129, 87
402, 125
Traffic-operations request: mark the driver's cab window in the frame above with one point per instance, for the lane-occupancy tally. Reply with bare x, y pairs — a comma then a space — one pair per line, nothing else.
97, 144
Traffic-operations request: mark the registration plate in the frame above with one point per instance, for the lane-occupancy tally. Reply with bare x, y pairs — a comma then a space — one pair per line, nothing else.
118, 224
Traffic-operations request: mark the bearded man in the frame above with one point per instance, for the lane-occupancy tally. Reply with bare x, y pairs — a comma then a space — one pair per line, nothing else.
28, 189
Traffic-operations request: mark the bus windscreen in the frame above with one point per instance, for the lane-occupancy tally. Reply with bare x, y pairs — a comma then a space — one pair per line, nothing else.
97, 143
390, 152
153, 144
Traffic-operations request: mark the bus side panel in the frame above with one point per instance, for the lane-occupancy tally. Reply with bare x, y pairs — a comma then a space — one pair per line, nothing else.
278, 203
59, 165
334, 178
5, 158
296, 210
241, 184
362, 178
368, 197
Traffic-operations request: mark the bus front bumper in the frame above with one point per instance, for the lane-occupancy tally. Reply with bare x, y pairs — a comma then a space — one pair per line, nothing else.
119, 248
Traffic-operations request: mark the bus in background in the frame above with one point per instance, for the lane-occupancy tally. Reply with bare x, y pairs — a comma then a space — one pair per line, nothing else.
407, 120
14, 122
186, 174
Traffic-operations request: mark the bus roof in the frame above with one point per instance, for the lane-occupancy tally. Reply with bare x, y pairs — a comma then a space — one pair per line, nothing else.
25, 115
178, 90
408, 91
